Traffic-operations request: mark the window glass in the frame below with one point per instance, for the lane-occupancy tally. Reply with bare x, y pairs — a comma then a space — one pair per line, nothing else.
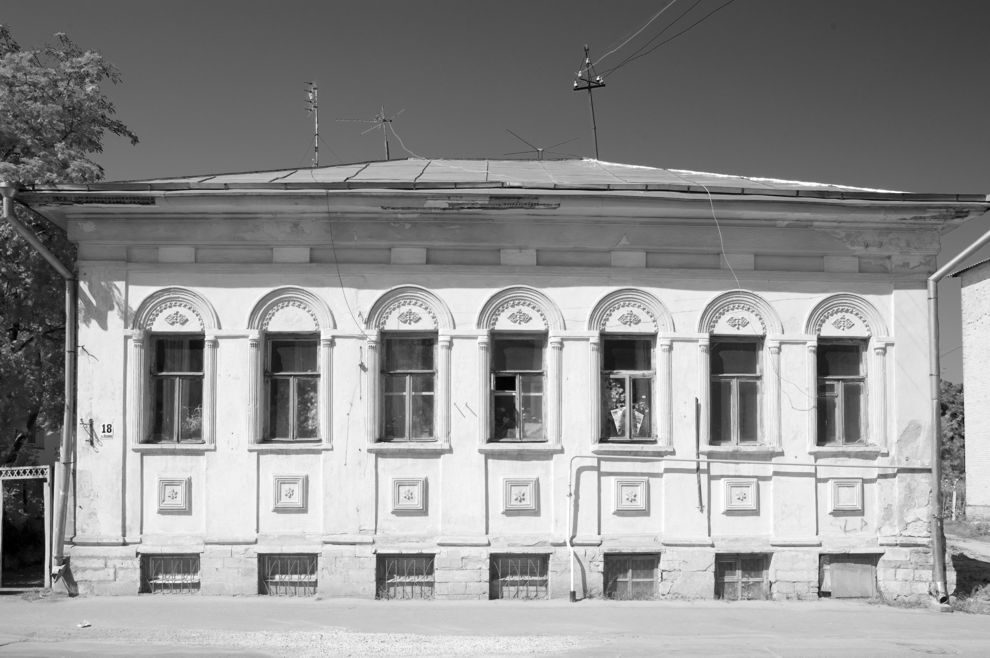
735, 392
518, 354
839, 360
293, 382
178, 354
409, 386
627, 354
517, 388
841, 393
627, 388
177, 389
409, 353
293, 355
734, 358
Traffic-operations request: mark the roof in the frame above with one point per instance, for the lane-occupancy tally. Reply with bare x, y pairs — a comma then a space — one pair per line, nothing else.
571, 174
967, 268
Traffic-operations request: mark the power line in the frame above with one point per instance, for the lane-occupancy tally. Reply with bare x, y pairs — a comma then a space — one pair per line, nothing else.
657, 35
588, 80
637, 32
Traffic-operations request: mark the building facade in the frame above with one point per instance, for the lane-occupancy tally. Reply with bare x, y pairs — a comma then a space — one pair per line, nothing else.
976, 384
474, 379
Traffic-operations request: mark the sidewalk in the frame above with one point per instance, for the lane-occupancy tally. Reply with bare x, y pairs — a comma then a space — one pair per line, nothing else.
260, 626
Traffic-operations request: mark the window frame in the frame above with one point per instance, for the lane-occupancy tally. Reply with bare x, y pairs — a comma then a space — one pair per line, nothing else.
386, 339
735, 379
628, 376
293, 377
840, 380
498, 337
176, 376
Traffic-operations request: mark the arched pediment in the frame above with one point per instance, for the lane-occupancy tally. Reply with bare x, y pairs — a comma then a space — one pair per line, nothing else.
520, 308
740, 313
290, 310
176, 310
630, 311
845, 316
409, 308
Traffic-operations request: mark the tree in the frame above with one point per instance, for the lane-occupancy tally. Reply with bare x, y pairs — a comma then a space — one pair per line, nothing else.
953, 442
53, 118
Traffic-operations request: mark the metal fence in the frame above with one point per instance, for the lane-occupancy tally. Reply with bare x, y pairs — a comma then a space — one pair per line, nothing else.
287, 574
518, 577
170, 574
404, 577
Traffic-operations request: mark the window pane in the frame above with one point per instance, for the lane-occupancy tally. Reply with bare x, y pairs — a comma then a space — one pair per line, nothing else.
421, 383
752, 568
163, 410
852, 398
616, 411
734, 358
421, 420
641, 421
504, 416
627, 354
517, 354
191, 409
307, 408
751, 591
721, 418
178, 354
505, 383
749, 414
395, 384
409, 353
278, 408
839, 360
532, 416
293, 356
395, 414
827, 407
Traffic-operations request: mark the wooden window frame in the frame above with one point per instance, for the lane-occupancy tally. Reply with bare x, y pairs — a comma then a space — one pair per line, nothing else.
517, 394
176, 378
735, 379
840, 381
294, 377
387, 339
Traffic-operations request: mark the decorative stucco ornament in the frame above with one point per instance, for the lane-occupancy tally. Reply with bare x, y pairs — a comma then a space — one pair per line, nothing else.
629, 319
176, 318
737, 322
843, 323
520, 318
409, 317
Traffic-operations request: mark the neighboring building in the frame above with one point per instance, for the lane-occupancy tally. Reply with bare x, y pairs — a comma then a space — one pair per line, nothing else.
386, 379
976, 387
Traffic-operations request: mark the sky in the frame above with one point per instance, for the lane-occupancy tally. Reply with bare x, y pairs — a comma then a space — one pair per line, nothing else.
887, 94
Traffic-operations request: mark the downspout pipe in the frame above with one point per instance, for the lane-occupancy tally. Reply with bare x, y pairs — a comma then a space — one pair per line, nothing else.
934, 376
67, 447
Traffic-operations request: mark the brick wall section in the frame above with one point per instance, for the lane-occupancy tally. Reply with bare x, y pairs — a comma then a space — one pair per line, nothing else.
793, 574
905, 574
687, 573
105, 569
976, 384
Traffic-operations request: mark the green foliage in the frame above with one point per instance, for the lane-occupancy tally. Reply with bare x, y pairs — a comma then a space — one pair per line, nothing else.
953, 445
53, 117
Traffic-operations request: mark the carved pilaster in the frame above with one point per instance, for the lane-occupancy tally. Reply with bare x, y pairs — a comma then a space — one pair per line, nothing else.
209, 389
136, 386
877, 396
254, 392
595, 379
554, 386
811, 380
704, 392
664, 395
442, 413
326, 388
484, 389
374, 388
772, 381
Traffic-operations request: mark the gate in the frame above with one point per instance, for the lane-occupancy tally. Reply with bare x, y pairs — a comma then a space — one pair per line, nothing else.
25, 527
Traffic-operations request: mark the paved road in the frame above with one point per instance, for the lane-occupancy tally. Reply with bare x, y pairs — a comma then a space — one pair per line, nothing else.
257, 626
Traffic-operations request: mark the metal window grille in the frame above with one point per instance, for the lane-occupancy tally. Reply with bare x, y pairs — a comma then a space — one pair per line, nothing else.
518, 577
631, 577
169, 574
404, 577
741, 577
287, 575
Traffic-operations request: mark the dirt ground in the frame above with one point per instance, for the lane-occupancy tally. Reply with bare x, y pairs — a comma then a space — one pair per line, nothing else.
261, 626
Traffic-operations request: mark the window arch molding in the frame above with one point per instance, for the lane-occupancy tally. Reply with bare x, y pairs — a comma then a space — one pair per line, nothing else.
289, 310
412, 309
849, 316
743, 314
633, 312
521, 309
172, 310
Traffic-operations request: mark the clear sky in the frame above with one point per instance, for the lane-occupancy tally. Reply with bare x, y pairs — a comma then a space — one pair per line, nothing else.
877, 93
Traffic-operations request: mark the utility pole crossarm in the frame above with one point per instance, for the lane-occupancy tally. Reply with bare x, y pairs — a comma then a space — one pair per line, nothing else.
588, 80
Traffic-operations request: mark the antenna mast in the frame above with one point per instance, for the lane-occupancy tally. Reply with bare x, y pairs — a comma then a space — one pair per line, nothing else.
381, 121
313, 106
588, 80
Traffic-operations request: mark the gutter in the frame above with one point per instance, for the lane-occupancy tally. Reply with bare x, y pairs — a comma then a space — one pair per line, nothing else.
67, 447
934, 374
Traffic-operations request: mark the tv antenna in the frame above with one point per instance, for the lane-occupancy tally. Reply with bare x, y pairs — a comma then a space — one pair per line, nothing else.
588, 80
313, 107
538, 150
380, 121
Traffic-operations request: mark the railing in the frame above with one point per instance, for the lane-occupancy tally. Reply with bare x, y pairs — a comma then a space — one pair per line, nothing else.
404, 577
287, 575
518, 577
170, 574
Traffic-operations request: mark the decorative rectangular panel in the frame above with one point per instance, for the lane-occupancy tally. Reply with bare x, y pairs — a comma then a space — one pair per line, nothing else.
846, 495
741, 495
173, 495
409, 494
630, 494
519, 494
290, 492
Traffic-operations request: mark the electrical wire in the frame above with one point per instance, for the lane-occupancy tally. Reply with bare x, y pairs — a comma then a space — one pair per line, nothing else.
402, 144
636, 33
666, 41
656, 36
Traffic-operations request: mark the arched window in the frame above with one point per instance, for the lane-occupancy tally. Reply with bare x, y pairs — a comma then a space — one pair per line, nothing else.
630, 370
847, 374
290, 368
740, 366
409, 370
520, 357
171, 379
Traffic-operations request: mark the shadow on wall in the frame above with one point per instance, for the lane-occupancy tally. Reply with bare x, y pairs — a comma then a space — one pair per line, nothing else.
97, 299
971, 574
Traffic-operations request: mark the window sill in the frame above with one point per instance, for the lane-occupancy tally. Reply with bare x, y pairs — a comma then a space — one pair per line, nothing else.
750, 451
519, 448
864, 452
287, 448
174, 448
632, 448
405, 447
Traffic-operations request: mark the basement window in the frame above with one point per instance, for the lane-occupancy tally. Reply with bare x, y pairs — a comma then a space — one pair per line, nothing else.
170, 573
287, 574
741, 577
518, 577
848, 576
404, 577
631, 577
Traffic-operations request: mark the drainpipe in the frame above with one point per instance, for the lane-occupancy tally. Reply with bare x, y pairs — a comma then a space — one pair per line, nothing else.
934, 373
67, 447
